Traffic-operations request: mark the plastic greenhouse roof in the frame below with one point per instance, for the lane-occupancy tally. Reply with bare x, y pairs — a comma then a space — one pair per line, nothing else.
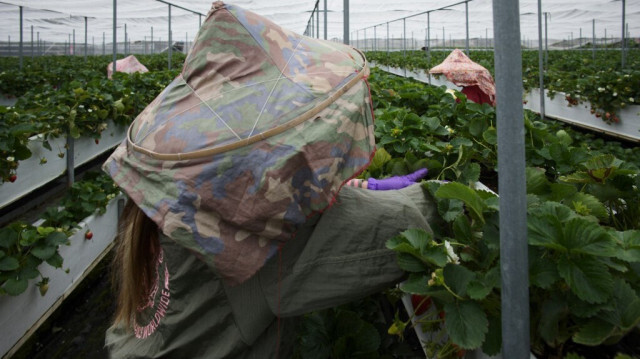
56, 20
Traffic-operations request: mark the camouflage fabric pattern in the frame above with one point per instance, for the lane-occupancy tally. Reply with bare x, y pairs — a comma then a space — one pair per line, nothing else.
259, 132
462, 71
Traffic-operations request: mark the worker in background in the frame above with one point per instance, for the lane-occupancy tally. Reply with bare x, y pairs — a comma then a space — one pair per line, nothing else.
476, 81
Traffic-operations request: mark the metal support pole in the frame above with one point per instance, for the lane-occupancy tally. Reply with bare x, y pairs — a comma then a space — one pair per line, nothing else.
444, 39
404, 38
466, 10
387, 38
429, 45
93, 45
375, 39
115, 35
318, 21
152, 43
346, 22
546, 42
540, 60
85, 39
580, 39
31, 41
20, 38
325, 19
104, 48
39, 48
624, 45
74, 42
511, 180
69, 42
593, 43
70, 161
126, 48
169, 58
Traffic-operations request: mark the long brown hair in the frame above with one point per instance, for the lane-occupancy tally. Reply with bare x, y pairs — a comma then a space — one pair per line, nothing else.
134, 264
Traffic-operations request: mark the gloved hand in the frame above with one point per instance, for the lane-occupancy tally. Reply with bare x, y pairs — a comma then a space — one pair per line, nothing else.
396, 182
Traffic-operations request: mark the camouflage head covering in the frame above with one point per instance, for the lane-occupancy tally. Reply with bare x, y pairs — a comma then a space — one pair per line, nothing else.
462, 71
259, 131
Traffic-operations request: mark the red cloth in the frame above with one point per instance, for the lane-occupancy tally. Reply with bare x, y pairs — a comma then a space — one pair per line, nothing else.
460, 70
475, 94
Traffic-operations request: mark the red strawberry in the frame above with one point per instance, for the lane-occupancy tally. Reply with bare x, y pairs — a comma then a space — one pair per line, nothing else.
97, 141
420, 304
13, 177
88, 235
607, 115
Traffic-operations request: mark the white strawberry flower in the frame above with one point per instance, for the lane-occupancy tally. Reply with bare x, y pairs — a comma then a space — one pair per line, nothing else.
11, 159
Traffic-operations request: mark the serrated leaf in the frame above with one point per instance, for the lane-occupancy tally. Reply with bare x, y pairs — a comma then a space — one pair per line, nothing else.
552, 312
29, 272
9, 264
8, 237
560, 191
462, 229
629, 241
457, 277
417, 237
626, 307
416, 284
493, 342
409, 263
43, 251
537, 182
586, 237
594, 206
477, 126
454, 190
57, 238
461, 141
471, 173
594, 332
15, 285
589, 279
491, 136
55, 260
466, 323
542, 273
450, 209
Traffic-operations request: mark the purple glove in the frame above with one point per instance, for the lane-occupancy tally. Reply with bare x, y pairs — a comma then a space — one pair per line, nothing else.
396, 182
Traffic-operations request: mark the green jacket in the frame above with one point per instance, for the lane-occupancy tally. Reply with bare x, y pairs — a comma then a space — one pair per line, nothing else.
335, 258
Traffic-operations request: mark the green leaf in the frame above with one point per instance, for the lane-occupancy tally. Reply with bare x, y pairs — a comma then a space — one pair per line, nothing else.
472, 200
553, 311
57, 238
588, 278
29, 272
491, 136
15, 285
629, 241
450, 209
462, 230
9, 264
537, 182
416, 284
493, 342
29, 237
8, 237
594, 332
586, 237
44, 251
417, 237
542, 272
560, 191
626, 307
410, 263
593, 205
470, 173
477, 126
55, 260
457, 277
466, 323
379, 159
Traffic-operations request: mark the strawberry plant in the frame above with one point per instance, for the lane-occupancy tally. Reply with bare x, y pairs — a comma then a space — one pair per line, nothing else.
24, 247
